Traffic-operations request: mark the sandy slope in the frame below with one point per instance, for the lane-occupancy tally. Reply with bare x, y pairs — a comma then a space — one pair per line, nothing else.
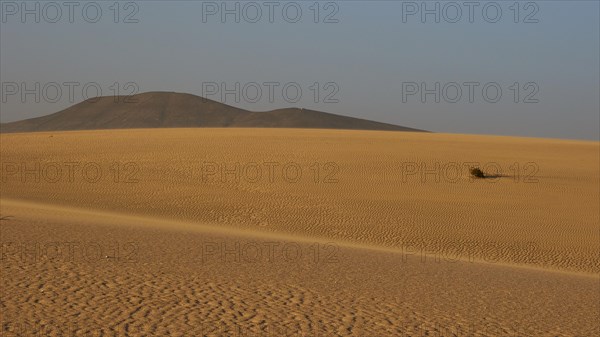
362, 197
527, 252
164, 281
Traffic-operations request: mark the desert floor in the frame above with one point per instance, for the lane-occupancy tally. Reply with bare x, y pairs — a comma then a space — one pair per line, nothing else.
275, 232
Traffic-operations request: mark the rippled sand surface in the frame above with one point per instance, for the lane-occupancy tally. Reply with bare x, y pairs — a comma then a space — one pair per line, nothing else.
280, 232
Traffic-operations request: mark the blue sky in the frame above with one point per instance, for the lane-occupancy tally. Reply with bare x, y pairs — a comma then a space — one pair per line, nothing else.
364, 62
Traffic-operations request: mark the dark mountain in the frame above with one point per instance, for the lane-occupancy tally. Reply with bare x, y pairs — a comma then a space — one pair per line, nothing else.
175, 110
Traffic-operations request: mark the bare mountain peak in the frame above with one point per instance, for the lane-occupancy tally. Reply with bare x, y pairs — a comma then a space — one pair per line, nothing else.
161, 109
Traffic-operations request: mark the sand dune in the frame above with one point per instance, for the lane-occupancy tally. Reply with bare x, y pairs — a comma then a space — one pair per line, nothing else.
164, 282
388, 247
354, 186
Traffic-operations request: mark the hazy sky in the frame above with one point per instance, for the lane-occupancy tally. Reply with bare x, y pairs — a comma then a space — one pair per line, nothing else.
369, 59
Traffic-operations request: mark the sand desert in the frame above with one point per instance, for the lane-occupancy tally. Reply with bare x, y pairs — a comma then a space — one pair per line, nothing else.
298, 232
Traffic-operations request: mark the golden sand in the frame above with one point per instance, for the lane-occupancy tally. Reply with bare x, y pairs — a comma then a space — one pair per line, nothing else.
351, 233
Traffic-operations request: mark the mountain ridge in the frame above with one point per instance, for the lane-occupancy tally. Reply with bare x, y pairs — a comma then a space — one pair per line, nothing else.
181, 110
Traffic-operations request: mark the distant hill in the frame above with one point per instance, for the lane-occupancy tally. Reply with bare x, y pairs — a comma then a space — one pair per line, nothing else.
176, 110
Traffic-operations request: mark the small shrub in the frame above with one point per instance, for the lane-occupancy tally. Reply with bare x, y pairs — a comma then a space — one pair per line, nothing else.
477, 172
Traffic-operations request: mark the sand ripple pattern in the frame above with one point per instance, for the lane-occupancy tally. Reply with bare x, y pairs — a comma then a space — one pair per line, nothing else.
552, 223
